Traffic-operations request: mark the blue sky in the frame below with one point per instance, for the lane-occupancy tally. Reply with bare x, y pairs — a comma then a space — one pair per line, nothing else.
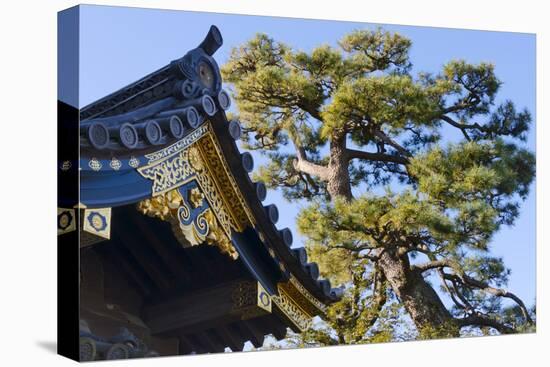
120, 45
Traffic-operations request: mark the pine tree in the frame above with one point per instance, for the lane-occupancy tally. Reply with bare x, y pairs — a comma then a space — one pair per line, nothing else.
396, 213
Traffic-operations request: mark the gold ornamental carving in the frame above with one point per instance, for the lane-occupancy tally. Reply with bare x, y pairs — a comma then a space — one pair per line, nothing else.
171, 207
198, 156
250, 300
295, 313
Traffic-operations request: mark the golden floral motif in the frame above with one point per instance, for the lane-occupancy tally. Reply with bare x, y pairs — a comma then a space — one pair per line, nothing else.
216, 236
195, 159
64, 221
95, 164
171, 207
115, 163
66, 165
196, 197
133, 162
161, 206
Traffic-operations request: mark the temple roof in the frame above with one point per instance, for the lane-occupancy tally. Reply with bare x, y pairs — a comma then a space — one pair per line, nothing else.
132, 139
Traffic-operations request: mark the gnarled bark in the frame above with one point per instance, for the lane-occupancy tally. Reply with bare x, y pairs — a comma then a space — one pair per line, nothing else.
338, 180
418, 297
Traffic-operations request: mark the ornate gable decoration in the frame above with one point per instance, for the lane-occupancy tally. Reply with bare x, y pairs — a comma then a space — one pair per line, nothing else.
194, 190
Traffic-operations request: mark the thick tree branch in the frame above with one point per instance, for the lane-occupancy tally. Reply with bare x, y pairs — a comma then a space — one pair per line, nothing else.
355, 248
458, 293
483, 320
464, 127
455, 295
471, 282
461, 127
311, 110
378, 157
386, 139
378, 302
499, 292
435, 264
470, 101
302, 164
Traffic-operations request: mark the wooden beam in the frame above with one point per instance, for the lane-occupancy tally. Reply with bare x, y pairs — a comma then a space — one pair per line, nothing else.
184, 346
145, 259
206, 308
230, 338
118, 255
202, 270
257, 334
275, 326
209, 339
168, 258
191, 343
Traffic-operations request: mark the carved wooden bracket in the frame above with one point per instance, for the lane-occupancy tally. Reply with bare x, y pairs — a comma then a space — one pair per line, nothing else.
192, 219
192, 188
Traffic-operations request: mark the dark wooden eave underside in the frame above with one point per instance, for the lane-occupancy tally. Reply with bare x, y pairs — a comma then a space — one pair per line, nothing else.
162, 272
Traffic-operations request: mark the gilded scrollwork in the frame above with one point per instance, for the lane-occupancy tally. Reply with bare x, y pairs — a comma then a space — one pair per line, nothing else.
198, 156
223, 210
228, 191
193, 229
179, 146
217, 236
292, 310
189, 229
244, 294
169, 173
250, 300
297, 290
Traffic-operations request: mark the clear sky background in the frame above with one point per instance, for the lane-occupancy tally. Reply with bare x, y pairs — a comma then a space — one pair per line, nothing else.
120, 45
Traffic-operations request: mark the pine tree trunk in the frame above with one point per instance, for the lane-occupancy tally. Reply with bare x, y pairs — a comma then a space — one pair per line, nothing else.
338, 183
421, 301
